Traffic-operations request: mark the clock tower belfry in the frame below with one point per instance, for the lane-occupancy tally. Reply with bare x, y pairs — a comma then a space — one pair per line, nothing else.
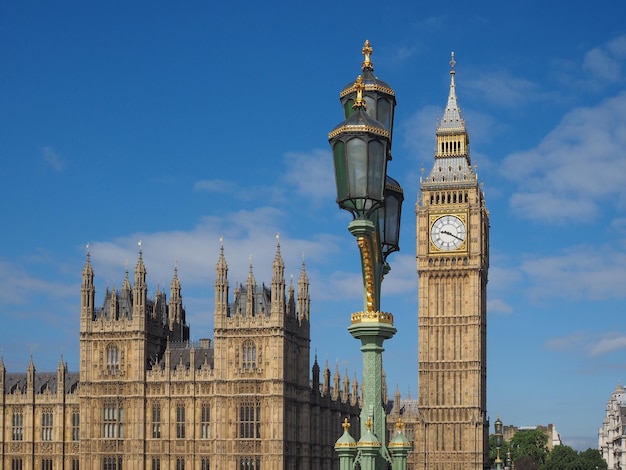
452, 263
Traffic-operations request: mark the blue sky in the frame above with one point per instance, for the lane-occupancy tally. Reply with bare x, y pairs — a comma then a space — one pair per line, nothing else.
180, 124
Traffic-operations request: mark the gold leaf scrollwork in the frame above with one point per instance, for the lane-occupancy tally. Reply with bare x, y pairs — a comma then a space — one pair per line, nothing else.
362, 317
368, 272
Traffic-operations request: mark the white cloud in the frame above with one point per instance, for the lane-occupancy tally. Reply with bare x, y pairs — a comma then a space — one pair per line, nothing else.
607, 345
311, 174
575, 167
52, 158
592, 344
503, 89
418, 132
308, 175
574, 341
559, 209
605, 63
403, 52
219, 186
601, 65
342, 285
502, 277
18, 287
402, 279
499, 306
249, 236
582, 272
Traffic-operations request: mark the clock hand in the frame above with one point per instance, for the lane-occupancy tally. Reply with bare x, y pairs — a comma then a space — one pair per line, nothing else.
445, 232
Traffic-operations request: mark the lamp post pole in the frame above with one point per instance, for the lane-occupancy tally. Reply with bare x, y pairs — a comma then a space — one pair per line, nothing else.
361, 149
508, 463
498, 435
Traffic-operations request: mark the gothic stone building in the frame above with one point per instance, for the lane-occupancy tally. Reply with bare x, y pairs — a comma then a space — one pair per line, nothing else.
611, 439
148, 398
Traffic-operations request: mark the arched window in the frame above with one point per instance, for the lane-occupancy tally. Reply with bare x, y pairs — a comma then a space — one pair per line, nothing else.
156, 421
46, 425
205, 422
113, 357
113, 421
112, 463
248, 354
17, 426
180, 421
250, 421
250, 464
75, 425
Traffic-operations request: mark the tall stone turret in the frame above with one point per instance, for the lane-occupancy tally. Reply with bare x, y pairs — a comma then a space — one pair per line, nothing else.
140, 289
278, 283
221, 289
87, 290
304, 298
176, 315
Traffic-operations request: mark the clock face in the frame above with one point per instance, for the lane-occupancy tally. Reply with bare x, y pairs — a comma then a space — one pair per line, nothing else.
448, 232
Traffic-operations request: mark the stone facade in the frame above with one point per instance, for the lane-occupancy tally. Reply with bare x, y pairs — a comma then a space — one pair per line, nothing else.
147, 397
448, 424
611, 436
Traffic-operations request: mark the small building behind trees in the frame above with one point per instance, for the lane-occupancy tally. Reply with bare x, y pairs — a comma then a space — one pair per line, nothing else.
552, 435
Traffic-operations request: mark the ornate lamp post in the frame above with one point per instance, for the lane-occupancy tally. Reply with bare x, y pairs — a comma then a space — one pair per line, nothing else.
498, 435
508, 463
361, 147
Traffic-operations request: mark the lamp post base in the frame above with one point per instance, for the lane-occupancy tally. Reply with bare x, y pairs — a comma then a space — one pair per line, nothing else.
372, 333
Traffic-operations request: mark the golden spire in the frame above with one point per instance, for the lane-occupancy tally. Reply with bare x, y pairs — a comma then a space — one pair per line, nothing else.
367, 52
359, 87
399, 425
345, 424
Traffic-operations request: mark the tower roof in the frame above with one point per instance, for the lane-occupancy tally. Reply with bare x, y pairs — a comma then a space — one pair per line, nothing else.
371, 81
88, 270
359, 121
175, 284
451, 120
452, 164
140, 268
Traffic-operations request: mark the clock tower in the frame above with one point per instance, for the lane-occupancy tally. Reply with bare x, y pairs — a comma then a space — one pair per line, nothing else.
452, 431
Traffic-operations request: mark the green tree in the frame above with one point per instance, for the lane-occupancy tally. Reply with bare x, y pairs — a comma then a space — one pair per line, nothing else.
564, 458
531, 444
592, 458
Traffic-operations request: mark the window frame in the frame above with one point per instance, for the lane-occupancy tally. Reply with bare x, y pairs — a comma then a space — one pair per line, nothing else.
17, 426
180, 421
205, 421
113, 421
47, 426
